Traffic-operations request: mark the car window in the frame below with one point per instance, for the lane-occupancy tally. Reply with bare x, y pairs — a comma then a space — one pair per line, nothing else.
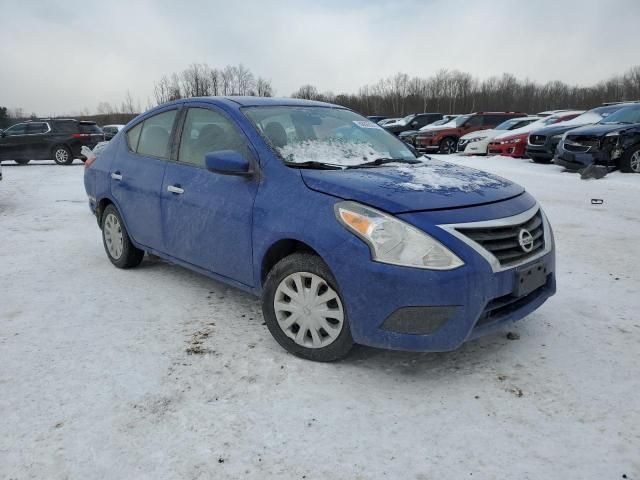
155, 134
18, 129
66, 126
133, 136
207, 131
475, 121
89, 128
36, 127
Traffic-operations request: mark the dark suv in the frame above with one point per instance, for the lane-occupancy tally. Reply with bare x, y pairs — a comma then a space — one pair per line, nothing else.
415, 121
60, 139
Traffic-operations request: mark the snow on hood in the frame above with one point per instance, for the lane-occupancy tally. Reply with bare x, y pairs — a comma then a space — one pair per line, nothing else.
332, 152
451, 124
396, 188
586, 118
438, 175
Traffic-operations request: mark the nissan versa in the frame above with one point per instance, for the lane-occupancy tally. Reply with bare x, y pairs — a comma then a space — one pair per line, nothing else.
346, 235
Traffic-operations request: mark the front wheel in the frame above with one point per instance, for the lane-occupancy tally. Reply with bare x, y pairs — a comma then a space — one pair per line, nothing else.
62, 155
630, 162
304, 311
541, 160
120, 250
448, 145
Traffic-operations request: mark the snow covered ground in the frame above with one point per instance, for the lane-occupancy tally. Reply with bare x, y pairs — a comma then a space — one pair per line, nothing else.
158, 372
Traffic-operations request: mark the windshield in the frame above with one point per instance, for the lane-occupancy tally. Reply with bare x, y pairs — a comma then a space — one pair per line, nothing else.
459, 121
625, 115
326, 136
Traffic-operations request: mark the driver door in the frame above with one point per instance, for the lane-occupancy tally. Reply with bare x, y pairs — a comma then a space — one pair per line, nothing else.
207, 217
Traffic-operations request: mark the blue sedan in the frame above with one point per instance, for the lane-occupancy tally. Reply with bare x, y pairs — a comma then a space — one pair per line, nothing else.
343, 230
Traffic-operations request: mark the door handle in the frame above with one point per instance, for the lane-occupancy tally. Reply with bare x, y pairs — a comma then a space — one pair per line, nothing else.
175, 189
116, 176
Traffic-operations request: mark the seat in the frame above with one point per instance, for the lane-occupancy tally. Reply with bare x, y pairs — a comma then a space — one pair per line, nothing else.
154, 142
276, 134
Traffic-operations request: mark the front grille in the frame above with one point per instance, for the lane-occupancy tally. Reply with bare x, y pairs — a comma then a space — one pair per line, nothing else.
537, 139
462, 144
581, 143
503, 242
501, 307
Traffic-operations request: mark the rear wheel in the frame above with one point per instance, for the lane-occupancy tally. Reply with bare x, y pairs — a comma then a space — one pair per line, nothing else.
120, 250
630, 162
62, 155
448, 145
304, 311
22, 162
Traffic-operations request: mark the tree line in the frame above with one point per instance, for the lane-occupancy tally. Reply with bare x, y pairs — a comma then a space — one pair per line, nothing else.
452, 91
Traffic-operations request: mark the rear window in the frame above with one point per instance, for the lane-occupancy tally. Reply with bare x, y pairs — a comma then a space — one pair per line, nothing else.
68, 126
89, 128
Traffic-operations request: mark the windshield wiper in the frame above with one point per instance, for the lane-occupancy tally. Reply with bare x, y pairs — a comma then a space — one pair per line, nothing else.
382, 161
313, 164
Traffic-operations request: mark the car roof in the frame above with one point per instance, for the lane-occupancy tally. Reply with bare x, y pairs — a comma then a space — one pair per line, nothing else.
262, 101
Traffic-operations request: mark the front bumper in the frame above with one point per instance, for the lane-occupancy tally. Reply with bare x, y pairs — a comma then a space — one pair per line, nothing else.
579, 160
507, 149
542, 152
457, 305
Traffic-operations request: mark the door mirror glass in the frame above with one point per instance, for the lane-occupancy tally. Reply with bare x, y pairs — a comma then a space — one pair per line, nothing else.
414, 123
227, 162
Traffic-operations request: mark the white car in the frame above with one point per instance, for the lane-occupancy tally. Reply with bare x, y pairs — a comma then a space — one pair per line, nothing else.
110, 131
476, 143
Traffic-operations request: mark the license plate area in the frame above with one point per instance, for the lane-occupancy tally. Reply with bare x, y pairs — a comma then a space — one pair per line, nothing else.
529, 279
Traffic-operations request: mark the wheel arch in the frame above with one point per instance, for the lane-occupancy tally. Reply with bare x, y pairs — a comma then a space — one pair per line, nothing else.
280, 249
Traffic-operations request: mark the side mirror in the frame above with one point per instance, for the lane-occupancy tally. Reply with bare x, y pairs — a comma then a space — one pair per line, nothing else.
228, 162
414, 123
2, 134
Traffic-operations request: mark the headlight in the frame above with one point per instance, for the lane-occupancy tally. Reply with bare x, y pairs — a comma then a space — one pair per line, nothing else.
476, 139
393, 241
613, 134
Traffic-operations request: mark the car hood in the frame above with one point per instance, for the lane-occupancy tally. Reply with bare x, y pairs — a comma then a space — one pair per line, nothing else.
437, 129
399, 188
600, 129
552, 130
479, 133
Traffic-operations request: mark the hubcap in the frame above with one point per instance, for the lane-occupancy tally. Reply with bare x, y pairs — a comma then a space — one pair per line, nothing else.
62, 155
113, 237
308, 310
635, 162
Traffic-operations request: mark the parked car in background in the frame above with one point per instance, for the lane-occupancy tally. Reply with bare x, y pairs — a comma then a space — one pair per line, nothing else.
542, 142
408, 136
444, 139
476, 143
110, 131
415, 121
613, 142
513, 143
343, 232
57, 139
388, 120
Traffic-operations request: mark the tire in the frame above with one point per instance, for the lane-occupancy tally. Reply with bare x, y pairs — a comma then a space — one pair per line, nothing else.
448, 145
324, 338
541, 160
22, 162
630, 161
116, 241
62, 155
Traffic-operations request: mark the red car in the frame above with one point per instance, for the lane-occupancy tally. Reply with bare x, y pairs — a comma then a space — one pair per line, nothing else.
514, 144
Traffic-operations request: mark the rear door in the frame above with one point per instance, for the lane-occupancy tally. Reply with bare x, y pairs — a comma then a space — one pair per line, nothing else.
36, 140
137, 172
207, 217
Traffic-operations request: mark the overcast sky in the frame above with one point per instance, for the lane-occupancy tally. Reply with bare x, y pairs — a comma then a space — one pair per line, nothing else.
63, 56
